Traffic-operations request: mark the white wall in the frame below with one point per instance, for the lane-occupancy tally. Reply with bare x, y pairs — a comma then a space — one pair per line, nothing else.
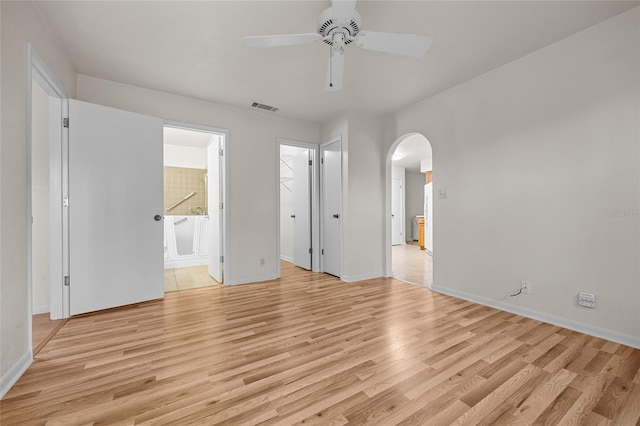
533, 155
363, 211
414, 200
20, 23
185, 156
40, 199
252, 173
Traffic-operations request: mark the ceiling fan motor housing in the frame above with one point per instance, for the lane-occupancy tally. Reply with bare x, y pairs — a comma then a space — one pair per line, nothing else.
329, 25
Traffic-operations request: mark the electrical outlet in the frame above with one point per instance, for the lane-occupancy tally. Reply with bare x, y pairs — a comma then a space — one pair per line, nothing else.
525, 286
262, 261
588, 300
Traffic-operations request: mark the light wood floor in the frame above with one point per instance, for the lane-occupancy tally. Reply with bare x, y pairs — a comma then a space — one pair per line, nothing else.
311, 349
43, 329
412, 265
186, 278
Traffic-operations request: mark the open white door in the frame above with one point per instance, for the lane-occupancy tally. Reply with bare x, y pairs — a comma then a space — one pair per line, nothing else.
396, 212
302, 210
214, 179
115, 208
331, 169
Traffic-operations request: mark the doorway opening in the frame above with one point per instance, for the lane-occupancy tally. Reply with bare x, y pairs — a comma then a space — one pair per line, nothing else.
193, 168
297, 189
410, 246
45, 177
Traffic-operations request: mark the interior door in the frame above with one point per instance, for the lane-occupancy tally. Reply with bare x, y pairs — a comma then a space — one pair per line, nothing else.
396, 211
115, 208
302, 210
214, 180
331, 207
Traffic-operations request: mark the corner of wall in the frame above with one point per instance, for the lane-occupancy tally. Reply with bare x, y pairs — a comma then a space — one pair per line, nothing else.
12, 375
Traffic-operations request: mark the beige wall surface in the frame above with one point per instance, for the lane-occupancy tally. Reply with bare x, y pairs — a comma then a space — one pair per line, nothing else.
180, 182
540, 159
20, 23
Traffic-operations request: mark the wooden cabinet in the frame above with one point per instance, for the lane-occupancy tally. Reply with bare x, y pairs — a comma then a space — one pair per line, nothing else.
421, 232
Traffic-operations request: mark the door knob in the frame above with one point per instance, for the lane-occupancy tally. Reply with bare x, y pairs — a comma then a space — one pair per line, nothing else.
157, 218
336, 216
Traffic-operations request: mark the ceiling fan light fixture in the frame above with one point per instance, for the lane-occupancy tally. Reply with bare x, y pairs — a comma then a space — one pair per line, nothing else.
340, 25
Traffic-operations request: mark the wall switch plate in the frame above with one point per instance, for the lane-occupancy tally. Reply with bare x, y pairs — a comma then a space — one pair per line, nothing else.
442, 194
587, 300
526, 287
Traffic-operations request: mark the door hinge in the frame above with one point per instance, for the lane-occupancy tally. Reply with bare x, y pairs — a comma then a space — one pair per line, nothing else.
65, 122
221, 152
66, 280
310, 251
65, 202
322, 252
322, 161
221, 205
221, 259
310, 163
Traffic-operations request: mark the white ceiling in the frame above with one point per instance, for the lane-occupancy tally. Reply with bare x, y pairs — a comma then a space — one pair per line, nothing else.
412, 151
195, 48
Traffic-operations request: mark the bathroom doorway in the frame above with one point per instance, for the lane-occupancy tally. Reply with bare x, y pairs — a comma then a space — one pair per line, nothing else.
193, 206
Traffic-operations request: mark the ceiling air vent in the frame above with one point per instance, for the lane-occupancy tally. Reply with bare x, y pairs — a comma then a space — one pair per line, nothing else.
263, 106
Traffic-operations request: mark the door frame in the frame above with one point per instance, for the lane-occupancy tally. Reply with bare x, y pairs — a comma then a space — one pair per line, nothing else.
337, 139
38, 70
403, 231
388, 262
315, 200
224, 175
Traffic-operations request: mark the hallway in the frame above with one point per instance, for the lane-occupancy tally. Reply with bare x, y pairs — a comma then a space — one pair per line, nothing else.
412, 265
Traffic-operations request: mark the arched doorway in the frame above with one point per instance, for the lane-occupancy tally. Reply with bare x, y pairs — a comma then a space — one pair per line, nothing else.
409, 242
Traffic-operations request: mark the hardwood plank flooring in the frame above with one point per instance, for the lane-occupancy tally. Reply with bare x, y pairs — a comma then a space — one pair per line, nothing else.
43, 329
310, 349
412, 265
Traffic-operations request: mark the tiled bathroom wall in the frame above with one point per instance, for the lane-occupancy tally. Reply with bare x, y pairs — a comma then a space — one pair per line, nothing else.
178, 183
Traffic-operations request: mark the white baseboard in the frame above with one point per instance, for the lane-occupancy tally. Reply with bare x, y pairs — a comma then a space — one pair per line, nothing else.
604, 333
362, 277
287, 258
9, 378
41, 310
239, 281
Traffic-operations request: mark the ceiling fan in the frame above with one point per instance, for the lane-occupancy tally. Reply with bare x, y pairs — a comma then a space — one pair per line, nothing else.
339, 26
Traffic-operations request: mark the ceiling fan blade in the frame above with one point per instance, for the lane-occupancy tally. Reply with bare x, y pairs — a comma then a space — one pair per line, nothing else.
343, 9
282, 40
335, 71
415, 45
